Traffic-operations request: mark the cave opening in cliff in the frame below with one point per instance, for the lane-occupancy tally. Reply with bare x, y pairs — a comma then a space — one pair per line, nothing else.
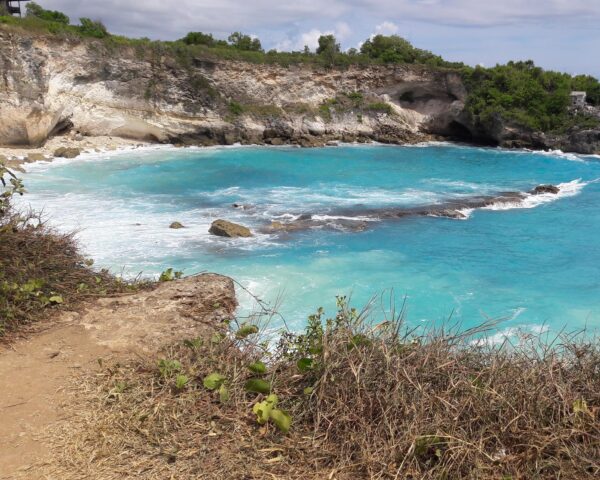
457, 131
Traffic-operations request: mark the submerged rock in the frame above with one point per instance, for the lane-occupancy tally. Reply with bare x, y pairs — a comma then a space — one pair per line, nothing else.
176, 225
223, 228
242, 206
545, 189
64, 152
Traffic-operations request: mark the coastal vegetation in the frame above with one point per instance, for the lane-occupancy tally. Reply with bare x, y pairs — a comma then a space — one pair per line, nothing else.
349, 397
528, 95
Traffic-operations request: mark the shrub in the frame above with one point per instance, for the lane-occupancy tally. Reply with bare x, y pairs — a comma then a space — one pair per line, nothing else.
235, 108
35, 10
244, 42
198, 38
380, 107
93, 28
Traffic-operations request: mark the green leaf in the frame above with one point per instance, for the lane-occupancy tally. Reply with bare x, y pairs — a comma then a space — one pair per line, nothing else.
282, 419
214, 381
257, 367
56, 300
304, 364
223, 394
181, 381
168, 367
246, 330
258, 385
263, 409
308, 390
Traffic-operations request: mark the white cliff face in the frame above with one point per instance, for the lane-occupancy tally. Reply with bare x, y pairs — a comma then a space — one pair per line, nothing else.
49, 85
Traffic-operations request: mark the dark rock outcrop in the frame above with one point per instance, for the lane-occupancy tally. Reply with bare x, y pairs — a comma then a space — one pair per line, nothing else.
545, 189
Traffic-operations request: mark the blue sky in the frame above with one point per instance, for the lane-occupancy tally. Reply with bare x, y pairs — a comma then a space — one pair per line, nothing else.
558, 34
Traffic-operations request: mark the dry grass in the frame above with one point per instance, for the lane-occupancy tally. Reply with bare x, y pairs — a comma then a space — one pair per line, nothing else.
384, 405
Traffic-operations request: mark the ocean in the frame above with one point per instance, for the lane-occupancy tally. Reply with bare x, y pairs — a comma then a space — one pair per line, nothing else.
378, 227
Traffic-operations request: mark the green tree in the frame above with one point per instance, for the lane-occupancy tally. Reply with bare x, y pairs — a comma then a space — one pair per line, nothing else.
93, 28
328, 45
244, 42
35, 10
395, 49
199, 38
328, 48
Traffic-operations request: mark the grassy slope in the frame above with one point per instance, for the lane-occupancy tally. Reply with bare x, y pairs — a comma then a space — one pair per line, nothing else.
364, 403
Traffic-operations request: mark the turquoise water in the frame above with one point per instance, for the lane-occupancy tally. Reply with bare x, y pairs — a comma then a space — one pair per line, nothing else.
534, 262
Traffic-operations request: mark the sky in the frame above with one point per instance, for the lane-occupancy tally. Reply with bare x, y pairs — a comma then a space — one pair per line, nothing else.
557, 34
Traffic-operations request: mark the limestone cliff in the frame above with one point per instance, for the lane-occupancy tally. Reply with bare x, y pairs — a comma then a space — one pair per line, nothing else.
50, 84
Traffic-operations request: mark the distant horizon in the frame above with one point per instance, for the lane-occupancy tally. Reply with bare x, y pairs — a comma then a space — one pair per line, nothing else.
555, 34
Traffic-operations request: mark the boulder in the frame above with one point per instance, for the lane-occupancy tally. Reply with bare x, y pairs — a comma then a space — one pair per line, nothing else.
176, 225
35, 157
65, 152
223, 228
3, 159
540, 189
277, 141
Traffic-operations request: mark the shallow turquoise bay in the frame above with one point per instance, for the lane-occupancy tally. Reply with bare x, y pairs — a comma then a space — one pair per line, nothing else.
536, 267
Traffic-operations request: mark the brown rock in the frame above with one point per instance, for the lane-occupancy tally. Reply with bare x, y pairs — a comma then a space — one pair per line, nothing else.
64, 152
176, 226
277, 141
223, 228
35, 157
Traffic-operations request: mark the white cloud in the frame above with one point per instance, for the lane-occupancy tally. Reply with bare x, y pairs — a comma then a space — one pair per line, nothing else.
311, 38
342, 30
173, 19
386, 28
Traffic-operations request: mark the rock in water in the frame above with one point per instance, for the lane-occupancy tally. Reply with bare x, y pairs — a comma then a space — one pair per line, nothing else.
223, 228
545, 189
176, 225
64, 152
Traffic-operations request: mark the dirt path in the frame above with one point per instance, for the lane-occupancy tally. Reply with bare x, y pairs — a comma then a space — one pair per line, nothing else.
35, 374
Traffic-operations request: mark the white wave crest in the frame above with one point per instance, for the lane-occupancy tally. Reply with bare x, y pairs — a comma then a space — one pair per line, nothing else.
568, 189
559, 153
